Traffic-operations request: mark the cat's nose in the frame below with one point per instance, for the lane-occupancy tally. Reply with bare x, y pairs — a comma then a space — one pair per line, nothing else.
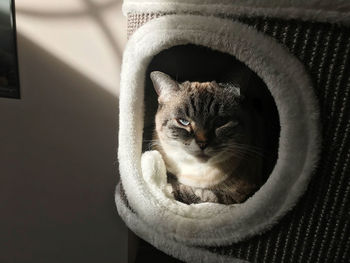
201, 139
202, 145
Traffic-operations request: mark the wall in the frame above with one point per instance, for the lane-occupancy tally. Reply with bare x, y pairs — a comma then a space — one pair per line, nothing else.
58, 142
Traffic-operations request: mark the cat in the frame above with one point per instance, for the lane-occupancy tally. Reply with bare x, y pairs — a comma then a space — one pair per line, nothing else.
208, 135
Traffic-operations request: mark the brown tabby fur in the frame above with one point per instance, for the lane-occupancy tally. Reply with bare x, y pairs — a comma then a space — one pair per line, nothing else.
229, 169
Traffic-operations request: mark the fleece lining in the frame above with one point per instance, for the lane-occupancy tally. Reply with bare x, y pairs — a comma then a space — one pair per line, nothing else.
177, 228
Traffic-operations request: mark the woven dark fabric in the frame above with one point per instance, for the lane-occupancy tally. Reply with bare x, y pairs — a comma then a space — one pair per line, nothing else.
317, 229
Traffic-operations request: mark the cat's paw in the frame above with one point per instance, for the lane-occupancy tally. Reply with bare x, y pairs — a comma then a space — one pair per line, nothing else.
169, 190
206, 195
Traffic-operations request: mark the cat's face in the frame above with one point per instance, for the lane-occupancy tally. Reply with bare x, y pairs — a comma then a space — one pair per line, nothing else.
206, 120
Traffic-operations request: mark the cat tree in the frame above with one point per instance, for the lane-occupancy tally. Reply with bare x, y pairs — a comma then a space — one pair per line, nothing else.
300, 49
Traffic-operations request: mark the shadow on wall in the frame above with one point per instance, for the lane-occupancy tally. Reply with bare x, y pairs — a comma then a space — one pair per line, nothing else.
58, 176
92, 10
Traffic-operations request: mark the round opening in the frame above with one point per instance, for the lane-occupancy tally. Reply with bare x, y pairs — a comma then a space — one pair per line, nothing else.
295, 127
197, 63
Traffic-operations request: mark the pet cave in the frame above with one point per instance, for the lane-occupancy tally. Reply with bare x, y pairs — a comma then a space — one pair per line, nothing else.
279, 46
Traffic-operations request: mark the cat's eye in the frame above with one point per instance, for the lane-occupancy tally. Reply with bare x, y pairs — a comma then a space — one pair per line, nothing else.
183, 122
228, 128
219, 122
233, 123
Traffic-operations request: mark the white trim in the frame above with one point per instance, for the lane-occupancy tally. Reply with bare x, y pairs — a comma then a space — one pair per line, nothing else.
171, 247
334, 11
216, 224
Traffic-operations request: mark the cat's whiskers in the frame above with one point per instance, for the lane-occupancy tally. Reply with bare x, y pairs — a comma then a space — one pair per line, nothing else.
245, 151
248, 147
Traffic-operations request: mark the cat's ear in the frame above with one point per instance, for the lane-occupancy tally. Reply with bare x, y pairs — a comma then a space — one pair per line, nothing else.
214, 83
163, 84
233, 89
238, 91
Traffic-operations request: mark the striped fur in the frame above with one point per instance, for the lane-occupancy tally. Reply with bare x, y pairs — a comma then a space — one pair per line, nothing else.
218, 156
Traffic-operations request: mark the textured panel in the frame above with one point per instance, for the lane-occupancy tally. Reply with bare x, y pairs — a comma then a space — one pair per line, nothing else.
317, 229
137, 20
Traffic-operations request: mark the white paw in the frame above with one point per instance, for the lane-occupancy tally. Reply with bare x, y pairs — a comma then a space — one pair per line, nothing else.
169, 191
206, 195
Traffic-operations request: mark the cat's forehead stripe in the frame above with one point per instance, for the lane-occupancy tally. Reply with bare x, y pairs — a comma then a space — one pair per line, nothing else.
203, 103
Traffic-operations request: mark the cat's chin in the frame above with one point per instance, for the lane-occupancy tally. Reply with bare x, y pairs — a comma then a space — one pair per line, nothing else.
203, 158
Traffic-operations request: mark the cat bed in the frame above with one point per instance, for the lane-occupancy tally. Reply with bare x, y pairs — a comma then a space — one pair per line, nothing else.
143, 199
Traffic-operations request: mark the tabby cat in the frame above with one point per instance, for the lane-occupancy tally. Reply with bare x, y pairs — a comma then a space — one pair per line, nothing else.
208, 135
